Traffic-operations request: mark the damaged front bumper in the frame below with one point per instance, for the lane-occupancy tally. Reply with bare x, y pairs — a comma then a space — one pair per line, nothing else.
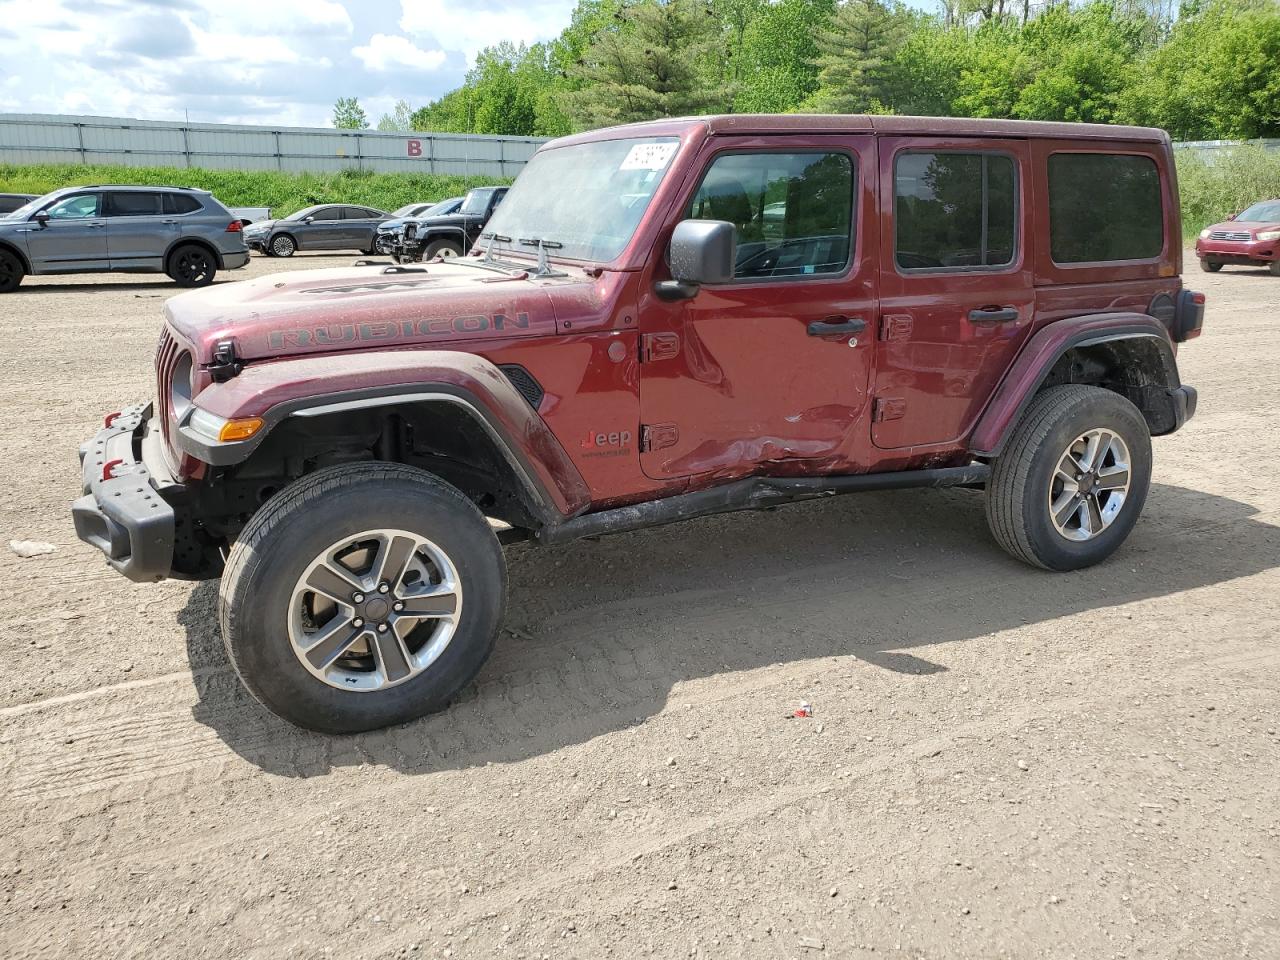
124, 511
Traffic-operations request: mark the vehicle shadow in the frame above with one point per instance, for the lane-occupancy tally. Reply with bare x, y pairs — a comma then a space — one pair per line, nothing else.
160, 285
599, 632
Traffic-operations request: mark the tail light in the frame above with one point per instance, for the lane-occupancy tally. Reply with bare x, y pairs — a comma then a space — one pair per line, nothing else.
235, 226
1189, 316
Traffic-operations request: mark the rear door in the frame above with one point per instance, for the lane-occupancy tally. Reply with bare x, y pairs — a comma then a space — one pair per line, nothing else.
956, 283
138, 232
358, 227
768, 373
75, 238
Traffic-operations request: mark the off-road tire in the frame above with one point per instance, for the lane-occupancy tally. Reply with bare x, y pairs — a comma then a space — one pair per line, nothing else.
1274, 267
299, 524
11, 272
1210, 266
1018, 490
191, 265
441, 248
282, 245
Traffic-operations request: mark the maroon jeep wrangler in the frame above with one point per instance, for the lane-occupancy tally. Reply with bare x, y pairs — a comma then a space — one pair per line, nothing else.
662, 321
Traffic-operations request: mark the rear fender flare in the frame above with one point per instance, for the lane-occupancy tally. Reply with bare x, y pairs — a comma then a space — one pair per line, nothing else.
1046, 348
319, 385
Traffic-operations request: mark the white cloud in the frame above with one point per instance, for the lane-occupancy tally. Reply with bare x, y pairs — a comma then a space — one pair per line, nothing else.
470, 27
383, 53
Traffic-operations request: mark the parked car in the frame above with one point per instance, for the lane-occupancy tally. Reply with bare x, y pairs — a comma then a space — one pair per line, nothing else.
649, 337
175, 230
446, 235
1250, 238
328, 226
10, 202
387, 229
250, 215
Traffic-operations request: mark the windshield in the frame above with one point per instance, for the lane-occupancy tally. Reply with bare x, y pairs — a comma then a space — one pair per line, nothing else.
28, 208
407, 209
1267, 211
584, 201
304, 212
443, 207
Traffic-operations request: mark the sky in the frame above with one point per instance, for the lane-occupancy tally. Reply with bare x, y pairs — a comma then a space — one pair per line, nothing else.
267, 62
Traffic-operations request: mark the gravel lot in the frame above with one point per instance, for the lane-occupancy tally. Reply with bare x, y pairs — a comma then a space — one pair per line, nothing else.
1002, 762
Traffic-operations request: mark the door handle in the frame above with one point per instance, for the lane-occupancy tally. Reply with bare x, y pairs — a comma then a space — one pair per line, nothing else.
97, 226
168, 221
836, 326
993, 315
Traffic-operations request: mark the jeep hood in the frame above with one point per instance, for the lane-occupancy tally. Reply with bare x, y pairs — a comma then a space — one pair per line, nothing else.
319, 311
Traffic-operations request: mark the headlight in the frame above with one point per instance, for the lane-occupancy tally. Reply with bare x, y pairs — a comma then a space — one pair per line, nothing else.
1204, 234
1269, 235
212, 427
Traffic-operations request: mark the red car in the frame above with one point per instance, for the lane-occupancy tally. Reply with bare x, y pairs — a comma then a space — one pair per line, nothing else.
1251, 238
662, 321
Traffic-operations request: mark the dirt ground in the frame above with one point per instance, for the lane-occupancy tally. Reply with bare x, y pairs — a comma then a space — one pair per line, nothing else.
1002, 762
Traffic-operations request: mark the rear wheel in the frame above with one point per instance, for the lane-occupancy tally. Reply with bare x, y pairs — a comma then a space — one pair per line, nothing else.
362, 596
1072, 480
11, 272
283, 245
191, 265
1209, 266
442, 248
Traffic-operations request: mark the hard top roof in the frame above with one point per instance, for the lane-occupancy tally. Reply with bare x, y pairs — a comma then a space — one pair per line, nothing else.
801, 123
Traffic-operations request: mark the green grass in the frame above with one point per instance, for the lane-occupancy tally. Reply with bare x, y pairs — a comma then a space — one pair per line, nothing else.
282, 192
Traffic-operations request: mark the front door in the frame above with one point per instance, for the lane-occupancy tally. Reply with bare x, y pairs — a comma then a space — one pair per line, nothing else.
956, 290
324, 232
768, 373
74, 238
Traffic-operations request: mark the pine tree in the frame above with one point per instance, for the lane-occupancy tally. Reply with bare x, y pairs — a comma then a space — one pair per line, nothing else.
854, 48
648, 63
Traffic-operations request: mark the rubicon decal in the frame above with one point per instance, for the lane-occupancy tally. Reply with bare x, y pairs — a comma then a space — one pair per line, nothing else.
333, 334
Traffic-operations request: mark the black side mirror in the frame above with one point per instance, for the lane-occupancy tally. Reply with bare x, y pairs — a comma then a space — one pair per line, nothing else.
41, 218
701, 251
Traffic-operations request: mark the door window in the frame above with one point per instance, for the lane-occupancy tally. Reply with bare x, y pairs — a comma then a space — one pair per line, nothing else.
954, 211
327, 213
132, 204
79, 207
1104, 207
793, 212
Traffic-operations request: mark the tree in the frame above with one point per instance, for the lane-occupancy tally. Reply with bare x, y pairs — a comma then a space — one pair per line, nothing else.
777, 71
649, 64
854, 51
400, 117
349, 115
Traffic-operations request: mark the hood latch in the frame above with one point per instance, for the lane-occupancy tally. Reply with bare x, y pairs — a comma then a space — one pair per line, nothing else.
225, 365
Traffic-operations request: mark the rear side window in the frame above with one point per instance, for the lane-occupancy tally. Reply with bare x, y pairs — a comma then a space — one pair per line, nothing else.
1104, 206
793, 211
180, 203
133, 204
954, 211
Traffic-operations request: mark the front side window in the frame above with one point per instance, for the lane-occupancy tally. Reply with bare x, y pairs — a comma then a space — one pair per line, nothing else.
328, 213
80, 207
954, 211
1104, 206
584, 201
131, 204
793, 211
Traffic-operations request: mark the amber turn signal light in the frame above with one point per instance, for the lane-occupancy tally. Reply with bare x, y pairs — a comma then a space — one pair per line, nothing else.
240, 429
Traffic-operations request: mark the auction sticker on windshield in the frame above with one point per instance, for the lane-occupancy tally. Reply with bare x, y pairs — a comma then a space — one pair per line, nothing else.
648, 156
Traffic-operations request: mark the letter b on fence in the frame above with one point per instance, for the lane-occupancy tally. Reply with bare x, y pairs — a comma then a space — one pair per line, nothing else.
415, 148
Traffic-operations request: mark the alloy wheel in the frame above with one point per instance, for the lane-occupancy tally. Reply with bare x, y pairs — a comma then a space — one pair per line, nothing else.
374, 610
193, 265
1089, 485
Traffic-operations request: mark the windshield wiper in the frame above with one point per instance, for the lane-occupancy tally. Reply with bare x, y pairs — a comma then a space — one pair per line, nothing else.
544, 268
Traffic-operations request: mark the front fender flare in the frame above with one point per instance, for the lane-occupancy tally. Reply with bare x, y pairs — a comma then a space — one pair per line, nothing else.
1043, 351
316, 385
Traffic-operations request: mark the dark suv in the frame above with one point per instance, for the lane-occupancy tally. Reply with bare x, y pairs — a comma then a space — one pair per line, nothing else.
175, 230
666, 320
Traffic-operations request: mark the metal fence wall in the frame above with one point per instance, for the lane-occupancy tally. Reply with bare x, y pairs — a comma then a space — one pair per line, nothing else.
47, 138
1208, 149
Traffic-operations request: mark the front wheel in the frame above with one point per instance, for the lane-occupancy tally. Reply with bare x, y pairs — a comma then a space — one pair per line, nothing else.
1274, 267
442, 248
1210, 266
283, 245
362, 596
1072, 479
